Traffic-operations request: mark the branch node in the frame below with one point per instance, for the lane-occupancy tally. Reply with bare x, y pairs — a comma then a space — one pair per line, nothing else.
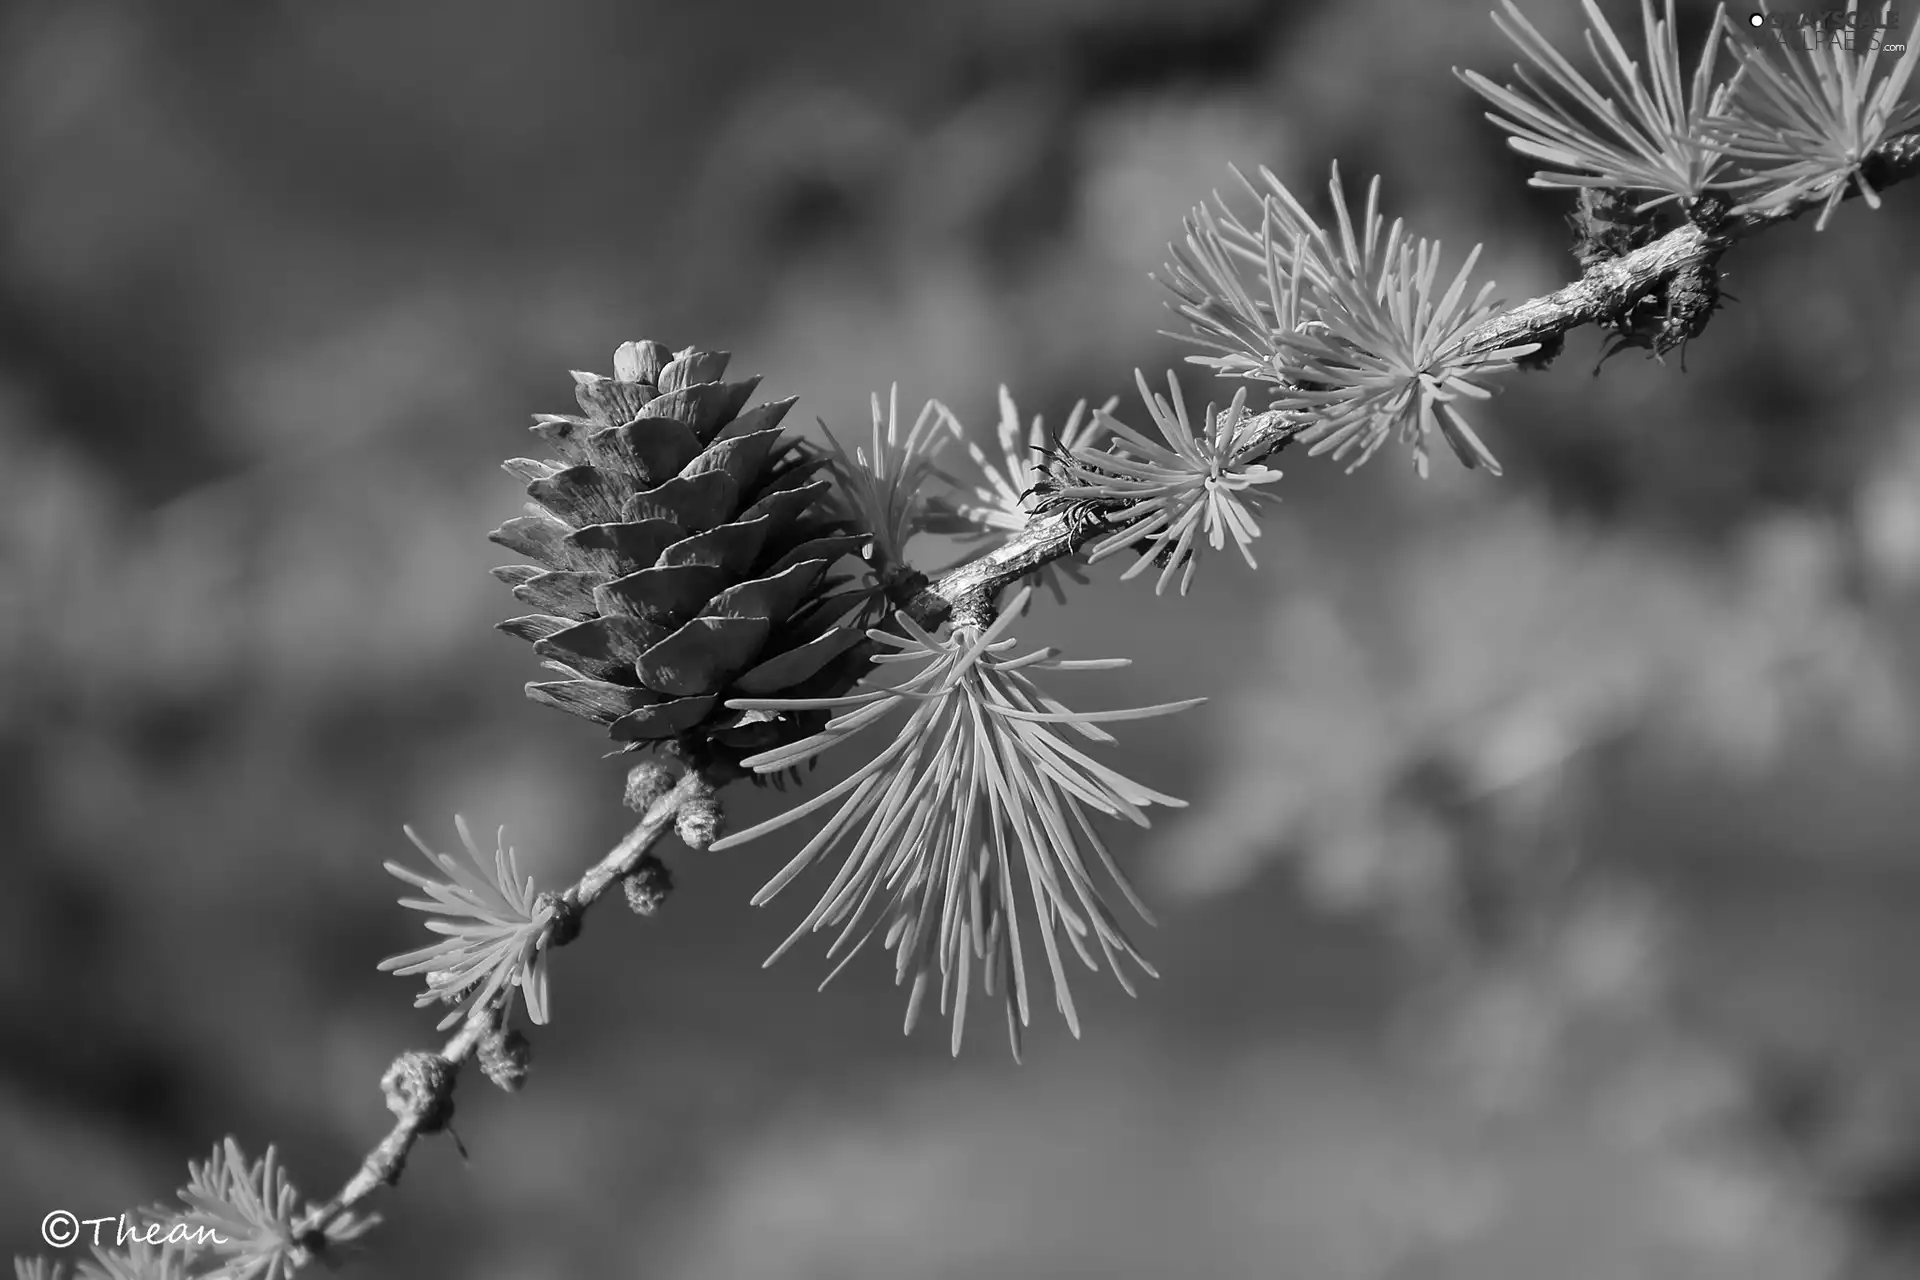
564, 926
504, 1056
648, 886
699, 820
647, 784
975, 610
419, 1089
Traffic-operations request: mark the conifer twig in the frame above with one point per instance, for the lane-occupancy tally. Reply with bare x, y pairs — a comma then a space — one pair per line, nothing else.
419, 1085
1607, 290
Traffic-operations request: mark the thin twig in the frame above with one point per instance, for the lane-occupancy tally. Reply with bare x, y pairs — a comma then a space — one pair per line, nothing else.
1607, 291
426, 1109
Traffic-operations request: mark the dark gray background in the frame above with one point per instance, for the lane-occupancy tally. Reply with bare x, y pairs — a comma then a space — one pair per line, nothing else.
1552, 838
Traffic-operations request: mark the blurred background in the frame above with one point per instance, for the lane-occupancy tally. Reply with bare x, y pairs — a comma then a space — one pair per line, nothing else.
1544, 904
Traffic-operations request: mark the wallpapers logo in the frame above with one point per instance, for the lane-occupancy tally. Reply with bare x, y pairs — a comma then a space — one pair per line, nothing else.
1842, 28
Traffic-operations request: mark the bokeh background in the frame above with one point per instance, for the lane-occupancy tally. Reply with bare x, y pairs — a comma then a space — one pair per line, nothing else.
1545, 903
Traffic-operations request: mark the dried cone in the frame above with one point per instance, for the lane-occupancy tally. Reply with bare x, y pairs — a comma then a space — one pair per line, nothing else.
682, 552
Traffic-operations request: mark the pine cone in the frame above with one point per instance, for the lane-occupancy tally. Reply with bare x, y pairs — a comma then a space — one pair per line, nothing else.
682, 551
